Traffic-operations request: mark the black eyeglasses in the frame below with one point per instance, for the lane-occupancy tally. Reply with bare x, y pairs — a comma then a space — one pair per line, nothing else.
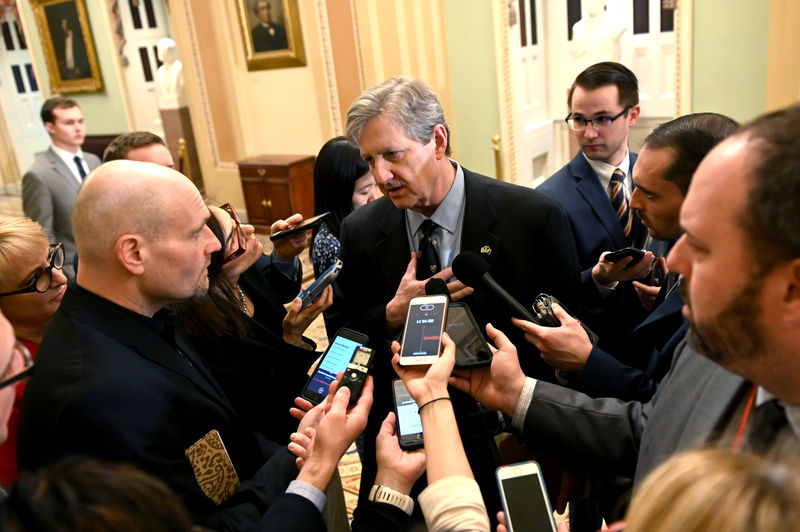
239, 236
578, 123
12, 375
43, 278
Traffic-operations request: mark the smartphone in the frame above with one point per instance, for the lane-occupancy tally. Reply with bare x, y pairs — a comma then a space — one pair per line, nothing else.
614, 256
328, 276
334, 359
409, 424
422, 335
306, 225
355, 374
471, 348
524, 497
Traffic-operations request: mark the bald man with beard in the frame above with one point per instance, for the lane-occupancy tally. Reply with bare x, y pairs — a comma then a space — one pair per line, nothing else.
117, 381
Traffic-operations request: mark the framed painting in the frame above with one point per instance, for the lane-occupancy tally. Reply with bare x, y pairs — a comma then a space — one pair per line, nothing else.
271, 33
68, 46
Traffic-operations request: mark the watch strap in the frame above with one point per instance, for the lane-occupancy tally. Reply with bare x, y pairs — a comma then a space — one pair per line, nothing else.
386, 494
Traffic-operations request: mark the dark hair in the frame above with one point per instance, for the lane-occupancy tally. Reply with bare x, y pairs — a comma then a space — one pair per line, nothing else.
216, 314
255, 6
608, 73
771, 219
55, 102
119, 147
88, 495
336, 170
690, 138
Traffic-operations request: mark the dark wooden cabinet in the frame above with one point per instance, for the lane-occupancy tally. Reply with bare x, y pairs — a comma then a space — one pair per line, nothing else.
277, 186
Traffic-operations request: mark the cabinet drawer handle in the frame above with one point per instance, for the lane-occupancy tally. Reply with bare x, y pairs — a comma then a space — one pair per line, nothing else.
266, 203
261, 172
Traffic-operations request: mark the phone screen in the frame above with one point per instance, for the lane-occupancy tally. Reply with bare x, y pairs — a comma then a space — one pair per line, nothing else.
525, 504
335, 360
471, 349
423, 329
409, 424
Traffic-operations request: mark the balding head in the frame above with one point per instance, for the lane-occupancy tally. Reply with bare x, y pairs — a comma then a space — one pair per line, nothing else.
124, 197
141, 235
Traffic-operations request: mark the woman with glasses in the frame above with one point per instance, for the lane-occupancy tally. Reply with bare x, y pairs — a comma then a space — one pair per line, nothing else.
31, 288
261, 370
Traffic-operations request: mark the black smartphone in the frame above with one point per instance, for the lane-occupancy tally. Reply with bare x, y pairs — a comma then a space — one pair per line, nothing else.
409, 424
306, 225
355, 374
471, 348
524, 497
334, 359
328, 276
636, 253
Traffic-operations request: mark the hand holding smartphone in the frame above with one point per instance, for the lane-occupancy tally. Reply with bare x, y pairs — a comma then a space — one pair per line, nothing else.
315, 289
524, 496
335, 359
409, 424
307, 225
615, 256
422, 335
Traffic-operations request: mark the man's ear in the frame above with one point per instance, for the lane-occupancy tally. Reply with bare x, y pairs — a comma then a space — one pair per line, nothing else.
440, 140
633, 115
791, 298
50, 127
130, 252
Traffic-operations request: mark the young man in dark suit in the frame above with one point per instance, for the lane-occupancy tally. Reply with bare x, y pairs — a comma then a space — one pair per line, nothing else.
400, 129
50, 185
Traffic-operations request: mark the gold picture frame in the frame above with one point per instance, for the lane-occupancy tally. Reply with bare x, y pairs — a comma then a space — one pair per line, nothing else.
271, 33
68, 47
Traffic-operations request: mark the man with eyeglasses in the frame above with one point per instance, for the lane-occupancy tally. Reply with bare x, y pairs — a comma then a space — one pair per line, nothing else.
32, 286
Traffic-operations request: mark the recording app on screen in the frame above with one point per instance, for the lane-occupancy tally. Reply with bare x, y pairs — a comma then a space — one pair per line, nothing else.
336, 360
408, 414
423, 330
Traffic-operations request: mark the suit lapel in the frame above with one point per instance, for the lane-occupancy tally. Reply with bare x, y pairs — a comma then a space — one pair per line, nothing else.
479, 217
60, 168
588, 186
391, 248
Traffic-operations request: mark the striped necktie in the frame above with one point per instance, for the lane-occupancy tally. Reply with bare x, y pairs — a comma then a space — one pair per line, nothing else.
428, 260
616, 191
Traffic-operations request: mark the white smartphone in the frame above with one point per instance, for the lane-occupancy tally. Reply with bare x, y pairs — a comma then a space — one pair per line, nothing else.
315, 289
422, 336
524, 496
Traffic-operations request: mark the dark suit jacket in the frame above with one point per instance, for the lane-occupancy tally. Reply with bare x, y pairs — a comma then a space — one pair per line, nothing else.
522, 234
48, 192
595, 229
264, 40
633, 373
119, 386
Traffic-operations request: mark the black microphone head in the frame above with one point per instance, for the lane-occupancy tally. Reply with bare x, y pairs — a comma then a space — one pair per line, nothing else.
436, 286
469, 268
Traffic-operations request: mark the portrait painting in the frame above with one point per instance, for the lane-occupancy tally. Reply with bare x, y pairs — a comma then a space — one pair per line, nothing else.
272, 34
69, 51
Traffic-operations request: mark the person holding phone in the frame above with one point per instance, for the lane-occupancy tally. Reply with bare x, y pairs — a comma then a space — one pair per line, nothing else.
452, 500
342, 184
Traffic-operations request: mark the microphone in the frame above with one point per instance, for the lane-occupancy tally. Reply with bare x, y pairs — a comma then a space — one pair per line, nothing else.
436, 287
472, 270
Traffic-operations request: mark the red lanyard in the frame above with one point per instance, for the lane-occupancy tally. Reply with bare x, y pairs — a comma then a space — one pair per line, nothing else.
737, 442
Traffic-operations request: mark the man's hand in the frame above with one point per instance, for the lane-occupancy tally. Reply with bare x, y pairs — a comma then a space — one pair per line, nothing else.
566, 347
647, 294
397, 469
607, 273
410, 287
337, 430
499, 386
298, 319
427, 382
291, 246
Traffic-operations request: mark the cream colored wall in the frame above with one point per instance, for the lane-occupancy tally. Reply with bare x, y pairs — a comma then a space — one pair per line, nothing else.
730, 57
472, 67
104, 111
783, 62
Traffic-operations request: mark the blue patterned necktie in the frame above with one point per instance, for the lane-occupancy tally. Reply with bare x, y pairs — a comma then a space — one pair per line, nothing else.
616, 191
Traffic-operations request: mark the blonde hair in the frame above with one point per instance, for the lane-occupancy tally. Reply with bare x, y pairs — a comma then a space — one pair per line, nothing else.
715, 489
20, 240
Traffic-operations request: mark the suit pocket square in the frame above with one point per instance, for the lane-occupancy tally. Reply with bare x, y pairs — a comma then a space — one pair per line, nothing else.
213, 468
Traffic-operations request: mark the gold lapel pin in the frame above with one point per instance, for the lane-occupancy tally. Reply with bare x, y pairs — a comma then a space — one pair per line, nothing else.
486, 250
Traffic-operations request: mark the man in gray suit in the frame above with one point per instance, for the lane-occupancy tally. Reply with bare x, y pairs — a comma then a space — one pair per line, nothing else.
50, 185
740, 258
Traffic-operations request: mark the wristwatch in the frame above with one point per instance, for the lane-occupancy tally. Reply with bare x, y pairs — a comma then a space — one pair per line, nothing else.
386, 494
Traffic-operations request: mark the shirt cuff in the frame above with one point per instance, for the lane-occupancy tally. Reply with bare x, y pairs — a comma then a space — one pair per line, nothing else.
525, 398
308, 491
605, 291
286, 267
